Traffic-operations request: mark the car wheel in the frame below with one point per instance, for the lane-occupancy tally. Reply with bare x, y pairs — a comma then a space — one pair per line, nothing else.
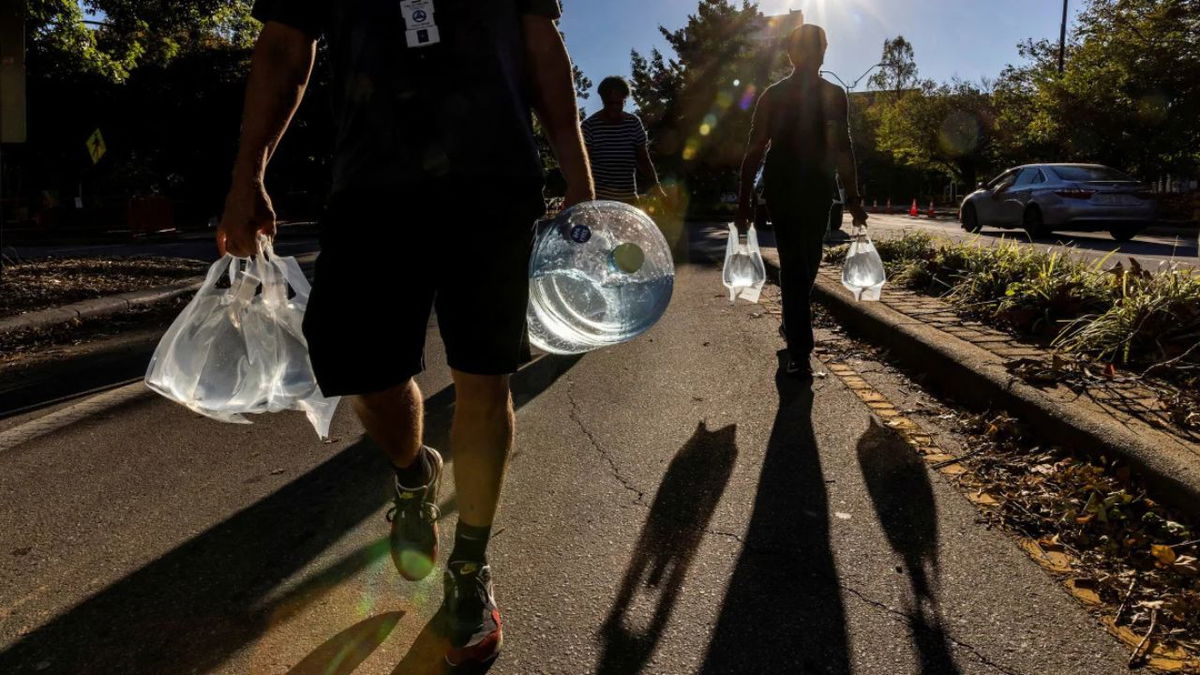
762, 219
1033, 225
970, 220
1124, 234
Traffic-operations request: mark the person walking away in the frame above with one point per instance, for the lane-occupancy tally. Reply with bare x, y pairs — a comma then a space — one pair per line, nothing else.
801, 124
617, 146
431, 103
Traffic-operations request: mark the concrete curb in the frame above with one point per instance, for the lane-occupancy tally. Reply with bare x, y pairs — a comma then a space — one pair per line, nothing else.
979, 379
98, 308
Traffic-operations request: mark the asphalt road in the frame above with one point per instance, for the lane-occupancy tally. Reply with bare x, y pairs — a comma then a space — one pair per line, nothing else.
1150, 249
673, 507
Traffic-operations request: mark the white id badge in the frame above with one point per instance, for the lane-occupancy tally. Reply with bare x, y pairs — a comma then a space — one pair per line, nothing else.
421, 28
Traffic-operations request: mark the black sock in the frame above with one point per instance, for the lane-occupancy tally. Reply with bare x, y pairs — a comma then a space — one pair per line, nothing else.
414, 475
470, 543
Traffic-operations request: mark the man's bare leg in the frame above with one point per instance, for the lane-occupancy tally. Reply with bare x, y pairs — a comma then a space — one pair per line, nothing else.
393, 419
481, 438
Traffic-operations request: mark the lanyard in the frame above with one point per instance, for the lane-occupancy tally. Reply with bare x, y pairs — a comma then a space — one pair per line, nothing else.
421, 29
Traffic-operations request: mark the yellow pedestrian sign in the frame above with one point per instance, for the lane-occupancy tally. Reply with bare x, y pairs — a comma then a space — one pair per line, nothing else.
95, 146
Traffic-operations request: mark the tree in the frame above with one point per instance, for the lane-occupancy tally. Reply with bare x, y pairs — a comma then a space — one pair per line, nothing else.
697, 106
948, 127
62, 41
899, 69
1130, 93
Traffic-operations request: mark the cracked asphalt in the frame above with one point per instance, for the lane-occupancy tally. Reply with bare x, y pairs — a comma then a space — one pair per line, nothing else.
672, 507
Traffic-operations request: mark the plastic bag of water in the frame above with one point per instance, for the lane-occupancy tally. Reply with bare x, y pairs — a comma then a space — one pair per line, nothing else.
238, 349
744, 273
863, 273
600, 274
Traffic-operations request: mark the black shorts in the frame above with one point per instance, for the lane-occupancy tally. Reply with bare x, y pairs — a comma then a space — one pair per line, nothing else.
389, 258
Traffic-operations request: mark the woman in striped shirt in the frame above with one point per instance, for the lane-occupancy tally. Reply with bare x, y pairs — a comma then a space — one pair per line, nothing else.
617, 145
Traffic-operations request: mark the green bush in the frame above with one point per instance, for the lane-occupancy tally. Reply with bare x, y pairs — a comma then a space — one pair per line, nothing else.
1121, 315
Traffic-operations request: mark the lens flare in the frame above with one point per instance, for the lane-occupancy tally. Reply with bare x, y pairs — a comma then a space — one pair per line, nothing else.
747, 100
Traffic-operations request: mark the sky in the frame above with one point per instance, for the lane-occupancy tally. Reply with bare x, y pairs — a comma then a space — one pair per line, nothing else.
966, 38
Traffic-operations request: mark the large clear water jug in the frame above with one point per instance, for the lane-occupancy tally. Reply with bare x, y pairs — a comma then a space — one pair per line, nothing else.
601, 274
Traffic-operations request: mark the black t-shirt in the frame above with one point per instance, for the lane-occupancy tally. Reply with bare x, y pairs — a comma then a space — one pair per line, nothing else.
458, 109
806, 115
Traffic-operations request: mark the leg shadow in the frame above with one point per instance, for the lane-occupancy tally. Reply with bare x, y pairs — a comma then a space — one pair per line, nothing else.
344, 652
902, 496
190, 609
783, 610
682, 509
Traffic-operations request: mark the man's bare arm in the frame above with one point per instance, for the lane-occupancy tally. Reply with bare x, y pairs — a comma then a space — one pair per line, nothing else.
279, 72
842, 147
554, 102
756, 148
645, 167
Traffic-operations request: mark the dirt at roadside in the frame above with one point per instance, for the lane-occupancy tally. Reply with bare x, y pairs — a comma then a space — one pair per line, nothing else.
41, 284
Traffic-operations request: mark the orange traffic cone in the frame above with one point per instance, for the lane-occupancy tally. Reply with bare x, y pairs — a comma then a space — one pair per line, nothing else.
915, 210
932, 212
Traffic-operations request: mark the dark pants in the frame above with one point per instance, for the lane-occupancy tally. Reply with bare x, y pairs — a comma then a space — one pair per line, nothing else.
800, 218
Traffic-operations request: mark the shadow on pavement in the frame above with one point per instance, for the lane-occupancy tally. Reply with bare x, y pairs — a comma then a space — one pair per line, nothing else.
902, 496
344, 652
686, 499
1185, 250
783, 610
191, 608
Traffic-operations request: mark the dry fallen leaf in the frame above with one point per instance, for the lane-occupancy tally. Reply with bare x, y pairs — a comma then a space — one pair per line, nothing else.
1163, 553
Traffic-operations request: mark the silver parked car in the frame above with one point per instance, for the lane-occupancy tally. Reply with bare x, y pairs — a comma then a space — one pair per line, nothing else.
1042, 198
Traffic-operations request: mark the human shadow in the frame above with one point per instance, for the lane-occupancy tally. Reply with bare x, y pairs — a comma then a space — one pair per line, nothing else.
342, 653
1184, 248
902, 496
191, 608
687, 497
783, 611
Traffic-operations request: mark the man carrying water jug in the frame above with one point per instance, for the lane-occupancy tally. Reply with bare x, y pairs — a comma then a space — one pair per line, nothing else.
803, 121
436, 186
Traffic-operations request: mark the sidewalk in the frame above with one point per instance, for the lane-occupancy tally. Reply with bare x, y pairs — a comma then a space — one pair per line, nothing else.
981, 367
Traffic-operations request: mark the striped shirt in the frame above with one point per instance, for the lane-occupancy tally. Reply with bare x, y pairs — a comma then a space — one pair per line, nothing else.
613, 147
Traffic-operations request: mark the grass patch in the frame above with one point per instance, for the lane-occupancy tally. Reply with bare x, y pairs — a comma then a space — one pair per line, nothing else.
1118, 314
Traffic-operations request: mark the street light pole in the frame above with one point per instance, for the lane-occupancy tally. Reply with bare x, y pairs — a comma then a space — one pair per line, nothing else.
1062, 40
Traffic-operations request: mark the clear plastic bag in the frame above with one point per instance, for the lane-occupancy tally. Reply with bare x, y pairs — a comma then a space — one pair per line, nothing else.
238, 348
744, 273
863, 273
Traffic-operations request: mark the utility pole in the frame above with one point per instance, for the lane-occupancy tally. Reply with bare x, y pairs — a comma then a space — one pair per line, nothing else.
1062, 40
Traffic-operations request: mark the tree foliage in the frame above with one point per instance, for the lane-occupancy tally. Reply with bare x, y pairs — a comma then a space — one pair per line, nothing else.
948, 127
1130, 93
112, 38
697, 105
899, 69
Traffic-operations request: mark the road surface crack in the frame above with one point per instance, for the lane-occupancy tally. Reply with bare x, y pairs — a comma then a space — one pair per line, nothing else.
604, 454
900, 614
913, 624
718, 533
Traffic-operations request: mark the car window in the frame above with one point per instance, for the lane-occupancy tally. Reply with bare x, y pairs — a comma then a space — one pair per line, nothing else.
1002, 181
1025, 177
1091, 173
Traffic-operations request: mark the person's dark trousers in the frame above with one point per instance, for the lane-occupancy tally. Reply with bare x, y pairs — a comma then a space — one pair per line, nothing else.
799, 218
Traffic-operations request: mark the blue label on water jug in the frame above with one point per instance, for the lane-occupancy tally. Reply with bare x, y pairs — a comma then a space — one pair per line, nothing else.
580, 234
